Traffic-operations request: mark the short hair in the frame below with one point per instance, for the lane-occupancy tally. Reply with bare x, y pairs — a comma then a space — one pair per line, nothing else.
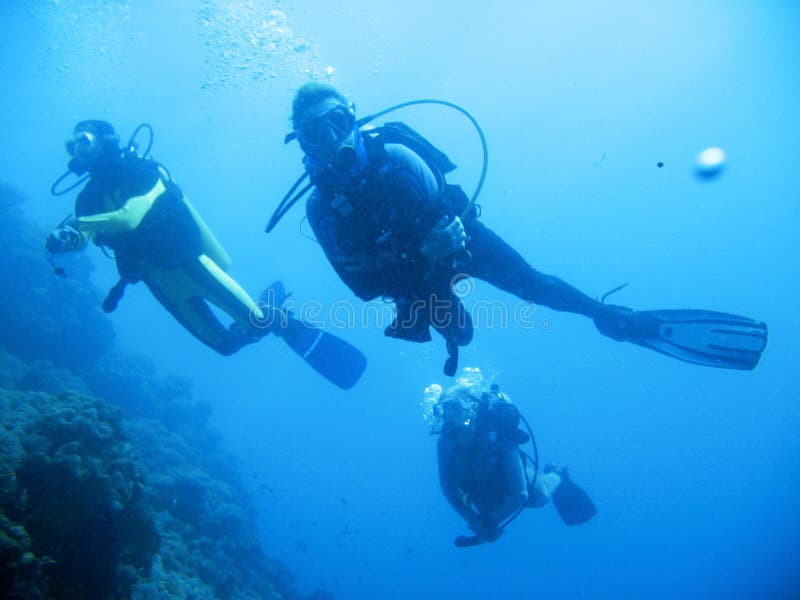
310, 94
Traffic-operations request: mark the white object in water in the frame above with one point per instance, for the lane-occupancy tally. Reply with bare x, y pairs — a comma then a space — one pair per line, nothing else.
710, 162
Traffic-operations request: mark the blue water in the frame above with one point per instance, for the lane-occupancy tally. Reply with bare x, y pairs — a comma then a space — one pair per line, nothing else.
694, 471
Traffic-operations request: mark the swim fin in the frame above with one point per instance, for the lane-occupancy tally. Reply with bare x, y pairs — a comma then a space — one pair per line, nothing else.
703, 337
572, 503
335, 359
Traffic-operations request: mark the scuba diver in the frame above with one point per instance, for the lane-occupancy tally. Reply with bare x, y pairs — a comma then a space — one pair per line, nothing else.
393, 228
483, 471
131, 206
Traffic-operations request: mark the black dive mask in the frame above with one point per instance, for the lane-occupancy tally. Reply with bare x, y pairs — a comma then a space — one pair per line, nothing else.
87, 150
343, 164
323, 132
332, 138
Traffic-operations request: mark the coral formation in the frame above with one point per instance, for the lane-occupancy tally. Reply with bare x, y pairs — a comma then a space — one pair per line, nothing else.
72, 493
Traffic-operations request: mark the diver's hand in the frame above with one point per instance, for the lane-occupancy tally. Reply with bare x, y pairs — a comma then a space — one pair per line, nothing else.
621, 323
444, 239
485, 530
63, 239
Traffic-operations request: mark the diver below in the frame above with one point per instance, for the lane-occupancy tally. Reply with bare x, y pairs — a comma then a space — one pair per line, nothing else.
484, 473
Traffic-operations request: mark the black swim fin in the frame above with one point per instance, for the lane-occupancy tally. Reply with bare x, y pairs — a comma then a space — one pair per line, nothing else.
704, 337
336, 360
572, 503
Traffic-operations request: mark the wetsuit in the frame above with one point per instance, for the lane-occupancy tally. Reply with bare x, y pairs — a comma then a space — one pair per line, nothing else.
482, 472
157, 237
372, 232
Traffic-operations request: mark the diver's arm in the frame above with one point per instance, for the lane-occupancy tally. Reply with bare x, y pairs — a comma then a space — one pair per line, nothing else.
404, 158
516, 495
422, 199
434, 239
447, 456
123, 219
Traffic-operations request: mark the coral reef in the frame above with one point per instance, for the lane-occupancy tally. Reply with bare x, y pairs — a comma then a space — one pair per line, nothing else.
72, 497
111, 483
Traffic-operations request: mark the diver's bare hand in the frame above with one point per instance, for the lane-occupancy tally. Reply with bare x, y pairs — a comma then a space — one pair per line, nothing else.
444, 239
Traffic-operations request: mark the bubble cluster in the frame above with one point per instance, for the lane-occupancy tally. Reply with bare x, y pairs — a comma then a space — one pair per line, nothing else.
428, 404
250, 42
243, 45
89, 40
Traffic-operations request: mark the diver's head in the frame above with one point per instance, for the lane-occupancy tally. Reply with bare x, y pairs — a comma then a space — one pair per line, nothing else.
94, 144
445, 410
325, 124
457, 406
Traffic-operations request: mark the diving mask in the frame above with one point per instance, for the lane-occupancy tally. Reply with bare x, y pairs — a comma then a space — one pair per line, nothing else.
89, 150
326, 130
83, 145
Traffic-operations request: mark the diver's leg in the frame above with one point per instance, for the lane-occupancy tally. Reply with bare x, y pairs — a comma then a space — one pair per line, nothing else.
496, 262
450, 318
176, 292
221, 289
543, 489
411, 322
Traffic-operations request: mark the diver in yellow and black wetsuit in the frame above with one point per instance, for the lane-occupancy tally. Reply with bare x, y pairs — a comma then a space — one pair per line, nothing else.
131, 206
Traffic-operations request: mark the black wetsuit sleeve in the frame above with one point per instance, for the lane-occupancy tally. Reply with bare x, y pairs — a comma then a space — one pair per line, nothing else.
421, 204
89, 201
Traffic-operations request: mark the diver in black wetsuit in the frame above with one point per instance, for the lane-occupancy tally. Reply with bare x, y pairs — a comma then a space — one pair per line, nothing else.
393, 228
483, 472
390, 230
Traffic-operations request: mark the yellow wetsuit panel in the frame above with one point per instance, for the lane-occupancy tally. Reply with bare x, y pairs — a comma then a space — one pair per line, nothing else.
123, 219
184, 293
211, 245
232, 297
